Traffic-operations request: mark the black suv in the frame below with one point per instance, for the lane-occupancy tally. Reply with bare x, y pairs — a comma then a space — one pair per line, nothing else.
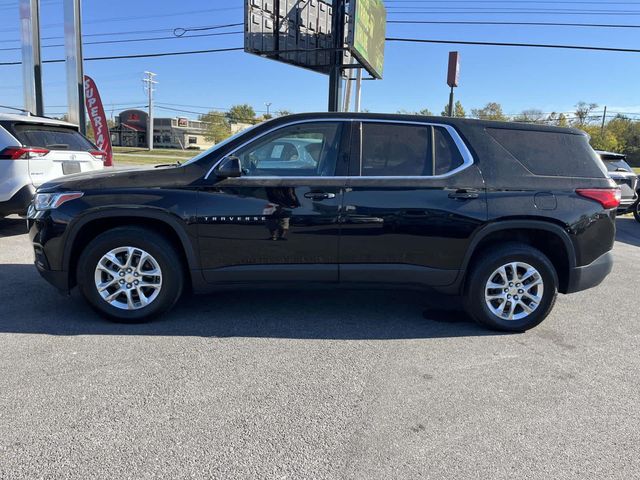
505, 215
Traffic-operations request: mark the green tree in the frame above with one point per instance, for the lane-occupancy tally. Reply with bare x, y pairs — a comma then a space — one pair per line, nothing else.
458, 110
602, 139
217, 126
491, 111
243, 113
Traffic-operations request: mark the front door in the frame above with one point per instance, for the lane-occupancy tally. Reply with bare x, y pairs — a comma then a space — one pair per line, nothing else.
278, 222
413, 203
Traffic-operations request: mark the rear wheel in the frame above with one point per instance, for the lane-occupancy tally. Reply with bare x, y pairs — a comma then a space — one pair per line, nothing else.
636, 210
130, 274
512, 288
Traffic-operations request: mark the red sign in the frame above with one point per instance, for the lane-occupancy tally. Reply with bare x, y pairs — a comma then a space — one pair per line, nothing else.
183, 122
98, 119
454, 69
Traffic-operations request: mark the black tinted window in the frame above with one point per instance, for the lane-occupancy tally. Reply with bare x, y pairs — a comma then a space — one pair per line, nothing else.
448, 157
550, 153
396, 150
53, 138
302, 150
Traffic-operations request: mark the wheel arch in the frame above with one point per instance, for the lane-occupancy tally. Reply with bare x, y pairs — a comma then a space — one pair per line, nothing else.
550, 238
92, 225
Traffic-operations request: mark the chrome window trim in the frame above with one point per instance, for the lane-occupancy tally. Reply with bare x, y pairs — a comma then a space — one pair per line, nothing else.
467, 158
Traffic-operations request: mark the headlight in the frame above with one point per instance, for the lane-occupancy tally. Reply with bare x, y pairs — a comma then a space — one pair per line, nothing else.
48, 201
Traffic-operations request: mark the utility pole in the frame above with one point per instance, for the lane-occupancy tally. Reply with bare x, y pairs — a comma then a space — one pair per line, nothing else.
31, 61
74, 63
150, 82
268, 105
604, 119
335, 75
358, 90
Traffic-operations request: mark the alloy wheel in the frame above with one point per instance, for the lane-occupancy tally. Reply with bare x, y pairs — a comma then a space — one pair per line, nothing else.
514, 291
128, 278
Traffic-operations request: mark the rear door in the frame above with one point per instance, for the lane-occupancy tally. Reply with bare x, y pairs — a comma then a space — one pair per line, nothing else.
414, 200
69, 151
278, 222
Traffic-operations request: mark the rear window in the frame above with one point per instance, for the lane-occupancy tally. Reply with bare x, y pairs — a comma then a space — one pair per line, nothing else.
550, 153
51, 137
617, 166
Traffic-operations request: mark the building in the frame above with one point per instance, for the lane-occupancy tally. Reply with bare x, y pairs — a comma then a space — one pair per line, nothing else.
131, 131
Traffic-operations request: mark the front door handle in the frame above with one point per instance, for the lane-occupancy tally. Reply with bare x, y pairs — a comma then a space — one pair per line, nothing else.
319, 195
464, 194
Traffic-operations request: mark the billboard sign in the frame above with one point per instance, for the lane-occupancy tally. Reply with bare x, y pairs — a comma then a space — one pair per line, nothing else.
183, 122
367, 34
297, 32
453, 73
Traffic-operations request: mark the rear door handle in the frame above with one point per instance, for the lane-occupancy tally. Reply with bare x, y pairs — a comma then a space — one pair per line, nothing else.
319, 195
464, 194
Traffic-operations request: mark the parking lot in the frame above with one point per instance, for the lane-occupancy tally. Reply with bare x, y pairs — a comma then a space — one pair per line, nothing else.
317, 384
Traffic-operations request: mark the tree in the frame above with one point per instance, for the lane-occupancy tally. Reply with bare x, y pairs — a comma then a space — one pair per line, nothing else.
458, 110
557, 119
583, 113
243, 113
491, 111
283, 113
602, 139
425, 112
217, 126
531, 115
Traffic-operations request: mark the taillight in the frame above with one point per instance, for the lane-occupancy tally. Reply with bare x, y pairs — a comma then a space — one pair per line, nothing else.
20, 153
99, 154
607, 197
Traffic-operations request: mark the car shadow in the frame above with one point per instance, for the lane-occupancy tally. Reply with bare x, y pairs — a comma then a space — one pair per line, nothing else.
323, 314
12, 226
628, 231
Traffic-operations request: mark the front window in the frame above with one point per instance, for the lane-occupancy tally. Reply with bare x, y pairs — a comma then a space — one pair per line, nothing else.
309, 149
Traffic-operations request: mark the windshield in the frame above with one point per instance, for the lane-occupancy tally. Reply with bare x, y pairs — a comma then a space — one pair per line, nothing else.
218, 145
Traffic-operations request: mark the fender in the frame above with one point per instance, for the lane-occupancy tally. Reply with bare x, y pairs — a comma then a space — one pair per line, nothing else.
176, 224
502, 225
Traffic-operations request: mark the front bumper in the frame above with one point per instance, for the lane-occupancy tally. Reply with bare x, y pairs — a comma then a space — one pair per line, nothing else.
19, 202
588, 276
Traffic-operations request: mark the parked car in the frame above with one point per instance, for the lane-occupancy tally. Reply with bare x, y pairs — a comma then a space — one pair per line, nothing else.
626, 179
504, 214
34, 150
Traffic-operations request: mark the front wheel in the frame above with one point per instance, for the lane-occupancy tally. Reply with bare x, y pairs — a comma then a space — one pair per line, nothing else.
512, 288
636, 210
130, 274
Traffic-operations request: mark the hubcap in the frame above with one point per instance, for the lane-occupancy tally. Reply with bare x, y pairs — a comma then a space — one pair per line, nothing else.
514, 291
128, 278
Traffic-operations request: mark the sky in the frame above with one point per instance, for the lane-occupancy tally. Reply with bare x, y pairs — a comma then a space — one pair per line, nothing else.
414, 74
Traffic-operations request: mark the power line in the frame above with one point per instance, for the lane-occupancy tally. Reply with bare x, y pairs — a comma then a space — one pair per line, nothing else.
502, 12
141, 55
130, 40
139, 32
536, 24
507, 44
512, 2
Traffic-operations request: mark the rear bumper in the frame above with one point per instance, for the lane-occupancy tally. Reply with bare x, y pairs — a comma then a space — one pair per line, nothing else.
19, 202
588, 276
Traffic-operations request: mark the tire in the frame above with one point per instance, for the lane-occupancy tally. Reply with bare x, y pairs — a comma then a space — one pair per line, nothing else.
636, 210
479, 296
159, 292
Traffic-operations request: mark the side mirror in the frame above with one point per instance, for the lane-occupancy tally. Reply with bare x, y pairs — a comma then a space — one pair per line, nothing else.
229, 167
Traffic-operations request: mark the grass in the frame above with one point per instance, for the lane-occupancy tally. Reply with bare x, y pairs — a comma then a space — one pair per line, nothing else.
142, 156
637, 170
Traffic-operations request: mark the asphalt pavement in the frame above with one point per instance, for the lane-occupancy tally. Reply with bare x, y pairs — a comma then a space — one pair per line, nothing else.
314, 385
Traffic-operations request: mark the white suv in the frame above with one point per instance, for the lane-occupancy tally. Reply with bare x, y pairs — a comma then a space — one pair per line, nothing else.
34, 150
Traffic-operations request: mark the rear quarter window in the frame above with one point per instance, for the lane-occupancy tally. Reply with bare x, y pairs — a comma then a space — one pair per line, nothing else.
550, 153
51, 137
